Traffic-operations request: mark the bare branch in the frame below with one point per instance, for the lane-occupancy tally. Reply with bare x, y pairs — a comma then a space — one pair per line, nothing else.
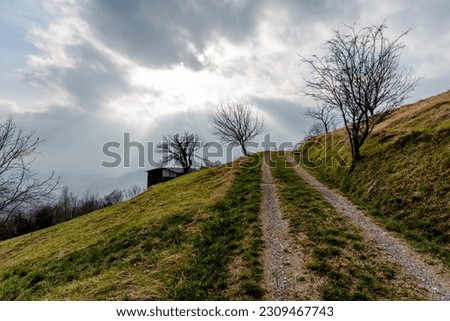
326, 117
360, 78
180, 148
19, 185
234, 122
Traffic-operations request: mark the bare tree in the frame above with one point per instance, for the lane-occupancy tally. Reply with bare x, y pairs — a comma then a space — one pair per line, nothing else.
133, 191
315, 130
66, 205
19, 184
234, 122
88, 203
361, 78
116, 196
208, 163
180, 148
326, 117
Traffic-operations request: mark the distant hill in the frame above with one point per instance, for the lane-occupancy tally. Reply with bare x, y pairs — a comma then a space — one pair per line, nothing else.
404, 179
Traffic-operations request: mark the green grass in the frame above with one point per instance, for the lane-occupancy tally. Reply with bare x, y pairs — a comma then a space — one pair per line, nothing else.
148, 248
403, 179
350, 267
232, 230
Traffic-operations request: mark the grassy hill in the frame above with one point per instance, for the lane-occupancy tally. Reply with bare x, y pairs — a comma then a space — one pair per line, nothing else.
199, 237
157, 246
403, 180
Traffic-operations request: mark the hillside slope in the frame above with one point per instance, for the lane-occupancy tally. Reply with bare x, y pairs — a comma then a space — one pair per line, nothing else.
157, 246
403, 180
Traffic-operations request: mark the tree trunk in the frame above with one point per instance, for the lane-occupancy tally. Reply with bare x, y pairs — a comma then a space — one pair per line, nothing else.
244, 150
356, 154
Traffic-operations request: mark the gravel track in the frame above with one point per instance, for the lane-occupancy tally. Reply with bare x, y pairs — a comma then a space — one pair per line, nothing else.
283, 264
433, 278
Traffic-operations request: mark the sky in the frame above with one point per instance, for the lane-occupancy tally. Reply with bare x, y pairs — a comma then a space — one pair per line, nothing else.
82, 73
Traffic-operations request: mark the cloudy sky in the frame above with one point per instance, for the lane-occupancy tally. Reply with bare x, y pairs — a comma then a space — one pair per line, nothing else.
84, 72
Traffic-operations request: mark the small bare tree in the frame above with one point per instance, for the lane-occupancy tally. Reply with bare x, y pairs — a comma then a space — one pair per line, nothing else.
180, 148
361, 78
116, 196
67, 204
315, 130
19, 184
133, 191
325, 117
234, 122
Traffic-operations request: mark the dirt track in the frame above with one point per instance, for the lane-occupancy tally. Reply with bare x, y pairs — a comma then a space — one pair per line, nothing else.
434, 277
284, 268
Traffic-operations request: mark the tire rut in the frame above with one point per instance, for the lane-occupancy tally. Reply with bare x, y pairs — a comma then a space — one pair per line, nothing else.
282, 263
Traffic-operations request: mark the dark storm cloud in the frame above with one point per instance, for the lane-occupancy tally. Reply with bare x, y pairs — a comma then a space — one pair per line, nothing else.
165, 33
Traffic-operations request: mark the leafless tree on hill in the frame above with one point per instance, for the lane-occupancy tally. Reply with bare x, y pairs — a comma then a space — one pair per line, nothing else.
133, 191
114, 197
180, 148
360, 77
325, 116
235, 122
315, 130
19, 184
